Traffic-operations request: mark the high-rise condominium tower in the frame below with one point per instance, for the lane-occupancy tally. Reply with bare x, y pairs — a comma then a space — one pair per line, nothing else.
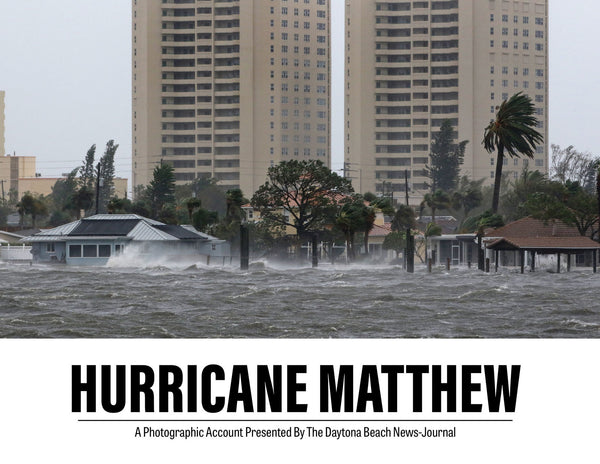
412, 64
227, 88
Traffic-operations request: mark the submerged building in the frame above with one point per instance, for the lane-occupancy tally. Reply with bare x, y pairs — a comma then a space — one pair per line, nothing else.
226, 89
410, 65
96, 239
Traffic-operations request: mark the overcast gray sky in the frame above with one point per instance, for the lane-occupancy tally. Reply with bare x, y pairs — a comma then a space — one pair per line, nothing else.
66, 68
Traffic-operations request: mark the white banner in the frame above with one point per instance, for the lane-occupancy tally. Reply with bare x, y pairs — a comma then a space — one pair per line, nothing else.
294, 400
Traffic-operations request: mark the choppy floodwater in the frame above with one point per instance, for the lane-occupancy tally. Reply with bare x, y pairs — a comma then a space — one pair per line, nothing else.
271, 302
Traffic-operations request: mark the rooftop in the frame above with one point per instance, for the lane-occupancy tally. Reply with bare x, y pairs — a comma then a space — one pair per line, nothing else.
530, 227
124, 226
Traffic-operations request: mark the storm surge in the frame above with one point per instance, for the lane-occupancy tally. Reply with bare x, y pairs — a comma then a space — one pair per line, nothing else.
190, 298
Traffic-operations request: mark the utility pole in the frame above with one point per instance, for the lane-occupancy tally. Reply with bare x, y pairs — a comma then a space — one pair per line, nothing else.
2, 182
410, 251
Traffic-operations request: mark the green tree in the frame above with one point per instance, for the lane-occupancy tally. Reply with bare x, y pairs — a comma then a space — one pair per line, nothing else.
33, 206
63, 197
192, 204
203, 219
352, 218
107, 174
446, 157
228, 227
235, 200
369, 216
404, 219
395, 241
301, 194
87, 175
207, 190
467, 196
161, 191
514, 203
512, 131
570, 203
118, 205
436, 201
570, 164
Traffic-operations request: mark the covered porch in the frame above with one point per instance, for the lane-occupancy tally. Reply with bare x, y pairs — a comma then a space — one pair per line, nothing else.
529, 247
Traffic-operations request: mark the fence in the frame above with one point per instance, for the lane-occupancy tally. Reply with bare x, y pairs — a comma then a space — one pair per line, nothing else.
15, 253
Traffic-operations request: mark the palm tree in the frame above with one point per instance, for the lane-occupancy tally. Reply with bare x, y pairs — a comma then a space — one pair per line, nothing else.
191, 204
436, 200
513, 131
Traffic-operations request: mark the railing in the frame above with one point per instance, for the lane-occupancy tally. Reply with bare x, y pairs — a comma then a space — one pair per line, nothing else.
15, 253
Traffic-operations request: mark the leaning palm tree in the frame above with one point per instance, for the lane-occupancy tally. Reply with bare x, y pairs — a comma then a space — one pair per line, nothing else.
513, 131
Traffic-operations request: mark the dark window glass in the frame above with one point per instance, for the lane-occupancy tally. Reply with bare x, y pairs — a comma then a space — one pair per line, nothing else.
90, 251
104, 251
75, 251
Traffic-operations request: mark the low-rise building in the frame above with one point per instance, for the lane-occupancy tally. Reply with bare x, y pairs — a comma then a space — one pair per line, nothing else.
97, 239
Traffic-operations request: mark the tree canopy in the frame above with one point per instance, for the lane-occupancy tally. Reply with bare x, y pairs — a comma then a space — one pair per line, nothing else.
512, 131
303, 195
446, 157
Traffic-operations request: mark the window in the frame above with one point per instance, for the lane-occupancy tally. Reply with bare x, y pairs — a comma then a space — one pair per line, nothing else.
75, 251
90, 251
104, 251
50, 247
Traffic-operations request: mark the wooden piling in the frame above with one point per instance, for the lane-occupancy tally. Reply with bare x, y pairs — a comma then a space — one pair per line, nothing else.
410, 252
522, 256
244, 247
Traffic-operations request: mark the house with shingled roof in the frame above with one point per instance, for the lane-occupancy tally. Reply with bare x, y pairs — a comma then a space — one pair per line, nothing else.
97, 239
519, 242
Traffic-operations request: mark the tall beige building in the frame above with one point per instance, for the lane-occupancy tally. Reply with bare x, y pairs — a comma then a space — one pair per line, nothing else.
227, 88
412, 64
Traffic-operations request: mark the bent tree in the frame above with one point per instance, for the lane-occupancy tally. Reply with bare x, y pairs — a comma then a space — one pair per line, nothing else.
512, 131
